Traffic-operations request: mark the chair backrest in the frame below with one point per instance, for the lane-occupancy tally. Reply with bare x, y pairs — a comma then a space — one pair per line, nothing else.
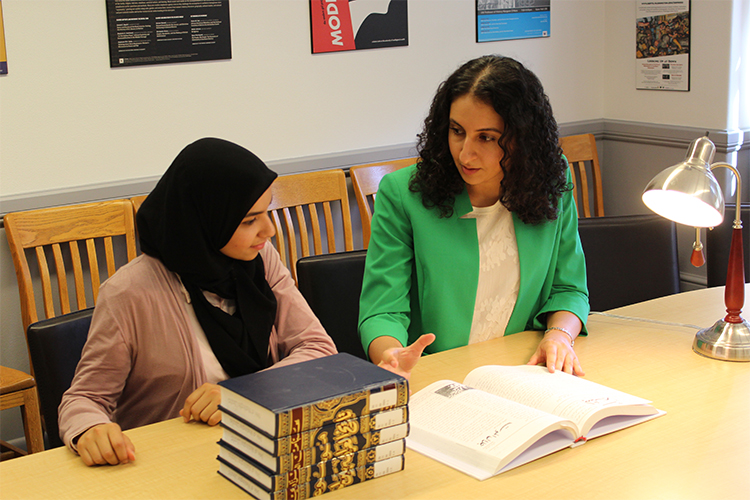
629, 258
365, 181
313, 191
718, 241
137, 201
331, 284
62, 233
55, 346
580, 150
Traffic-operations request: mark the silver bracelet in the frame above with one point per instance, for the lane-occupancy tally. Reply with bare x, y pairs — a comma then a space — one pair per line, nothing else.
566, 332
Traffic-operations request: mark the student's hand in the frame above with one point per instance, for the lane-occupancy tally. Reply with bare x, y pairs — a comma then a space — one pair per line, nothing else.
556, 353
203, 405
402, 360
105, 444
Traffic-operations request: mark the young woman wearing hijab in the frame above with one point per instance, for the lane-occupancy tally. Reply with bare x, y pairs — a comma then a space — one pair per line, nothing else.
479, 239
209, 299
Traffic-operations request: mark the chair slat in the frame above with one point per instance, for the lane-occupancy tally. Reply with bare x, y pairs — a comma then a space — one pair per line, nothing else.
44, 276
331, 236
584, 189
78, 281
62, 282
109, 255
304, 239
93, 267
280, 240
315, 223
291, 239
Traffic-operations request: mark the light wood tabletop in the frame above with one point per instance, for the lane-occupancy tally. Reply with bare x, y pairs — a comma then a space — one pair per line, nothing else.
700, 449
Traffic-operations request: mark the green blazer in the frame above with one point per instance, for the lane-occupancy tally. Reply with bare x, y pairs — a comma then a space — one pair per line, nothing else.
422, 271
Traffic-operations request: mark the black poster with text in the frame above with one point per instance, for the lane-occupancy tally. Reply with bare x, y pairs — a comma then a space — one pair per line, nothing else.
167, 31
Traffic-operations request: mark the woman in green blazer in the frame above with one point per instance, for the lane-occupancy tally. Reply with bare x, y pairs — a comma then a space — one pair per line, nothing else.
479, 238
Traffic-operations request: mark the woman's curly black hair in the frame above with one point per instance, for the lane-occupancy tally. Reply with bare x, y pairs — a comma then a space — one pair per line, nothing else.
534, 172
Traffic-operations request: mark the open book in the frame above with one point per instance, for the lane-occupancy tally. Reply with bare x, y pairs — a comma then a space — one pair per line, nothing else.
505, 416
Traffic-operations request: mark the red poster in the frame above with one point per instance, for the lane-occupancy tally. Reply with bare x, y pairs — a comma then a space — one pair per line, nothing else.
338, 25
331, 26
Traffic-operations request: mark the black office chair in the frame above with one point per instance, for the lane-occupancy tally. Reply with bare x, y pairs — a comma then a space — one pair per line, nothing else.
629, 258
718, 241
331, 284
55, 347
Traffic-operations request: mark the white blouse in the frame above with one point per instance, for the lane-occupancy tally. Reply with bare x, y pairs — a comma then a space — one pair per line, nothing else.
499, 272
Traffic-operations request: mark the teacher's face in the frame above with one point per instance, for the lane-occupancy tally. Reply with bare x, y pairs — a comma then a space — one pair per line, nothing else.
253, 232
474, 131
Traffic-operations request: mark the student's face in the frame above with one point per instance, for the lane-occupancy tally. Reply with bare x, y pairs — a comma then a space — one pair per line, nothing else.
253, 232
475, 129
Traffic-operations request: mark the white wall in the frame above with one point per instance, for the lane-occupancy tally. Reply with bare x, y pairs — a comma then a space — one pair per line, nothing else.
69, 120
706, 104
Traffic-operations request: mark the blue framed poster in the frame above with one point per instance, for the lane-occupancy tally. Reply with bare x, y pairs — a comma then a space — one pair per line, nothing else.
512, 19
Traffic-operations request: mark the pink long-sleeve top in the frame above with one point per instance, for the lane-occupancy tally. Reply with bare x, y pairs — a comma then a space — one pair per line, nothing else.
142, 358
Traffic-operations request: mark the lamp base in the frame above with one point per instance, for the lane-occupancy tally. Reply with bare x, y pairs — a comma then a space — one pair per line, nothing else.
724, 341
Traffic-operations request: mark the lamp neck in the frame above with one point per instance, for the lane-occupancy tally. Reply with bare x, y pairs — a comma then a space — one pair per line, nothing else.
737, 219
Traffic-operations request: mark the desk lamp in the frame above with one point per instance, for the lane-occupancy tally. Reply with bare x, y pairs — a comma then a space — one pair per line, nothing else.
688, 193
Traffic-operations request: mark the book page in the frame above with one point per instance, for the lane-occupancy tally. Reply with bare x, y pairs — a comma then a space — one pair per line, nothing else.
476, 428
574, 398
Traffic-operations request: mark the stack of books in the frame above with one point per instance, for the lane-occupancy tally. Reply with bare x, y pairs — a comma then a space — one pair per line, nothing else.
305, 429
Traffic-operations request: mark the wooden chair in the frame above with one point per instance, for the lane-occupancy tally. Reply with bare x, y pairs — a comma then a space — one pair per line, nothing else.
137, 201
365, 180
315, 191
18, 390
43, 232
580, 150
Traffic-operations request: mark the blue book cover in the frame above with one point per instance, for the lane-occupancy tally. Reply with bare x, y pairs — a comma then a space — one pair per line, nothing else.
296, 398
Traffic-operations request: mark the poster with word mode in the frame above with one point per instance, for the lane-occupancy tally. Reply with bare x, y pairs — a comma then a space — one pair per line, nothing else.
338, 25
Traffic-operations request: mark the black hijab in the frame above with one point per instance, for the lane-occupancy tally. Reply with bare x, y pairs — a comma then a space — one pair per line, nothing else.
190, 215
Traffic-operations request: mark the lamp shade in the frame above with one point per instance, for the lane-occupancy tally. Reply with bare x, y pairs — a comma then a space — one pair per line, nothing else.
688, 193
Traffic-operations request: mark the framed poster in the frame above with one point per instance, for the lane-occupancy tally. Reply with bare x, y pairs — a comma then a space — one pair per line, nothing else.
167, 31
512, 19
3, 54
338, 25
662, 50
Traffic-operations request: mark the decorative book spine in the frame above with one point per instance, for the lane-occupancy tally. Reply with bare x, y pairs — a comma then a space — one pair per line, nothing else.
323, 450
318, 485
345, 424
352, 405
336, 465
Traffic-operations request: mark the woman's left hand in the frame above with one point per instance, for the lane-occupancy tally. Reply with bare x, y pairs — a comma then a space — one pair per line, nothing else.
203, 405
556, 353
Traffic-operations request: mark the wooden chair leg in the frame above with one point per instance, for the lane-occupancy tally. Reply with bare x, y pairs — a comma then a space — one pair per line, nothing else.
32, 421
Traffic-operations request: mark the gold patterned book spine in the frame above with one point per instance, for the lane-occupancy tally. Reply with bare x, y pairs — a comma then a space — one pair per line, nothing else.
321, 483
327, 449
344, 424
336, 465
361, 403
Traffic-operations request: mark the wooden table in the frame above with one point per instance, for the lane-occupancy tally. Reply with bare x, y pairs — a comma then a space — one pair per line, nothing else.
700, 449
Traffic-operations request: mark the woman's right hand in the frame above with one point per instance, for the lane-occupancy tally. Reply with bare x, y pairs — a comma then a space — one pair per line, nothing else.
105, 444
388, 353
